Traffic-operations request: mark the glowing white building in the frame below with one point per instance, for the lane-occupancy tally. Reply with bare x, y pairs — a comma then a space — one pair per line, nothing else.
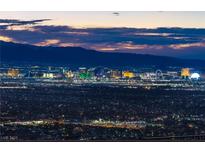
195, 76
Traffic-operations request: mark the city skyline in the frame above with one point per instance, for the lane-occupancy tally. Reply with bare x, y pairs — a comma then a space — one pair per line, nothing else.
101, 76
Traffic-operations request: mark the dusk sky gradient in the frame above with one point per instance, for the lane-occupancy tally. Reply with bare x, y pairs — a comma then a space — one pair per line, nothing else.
135, 32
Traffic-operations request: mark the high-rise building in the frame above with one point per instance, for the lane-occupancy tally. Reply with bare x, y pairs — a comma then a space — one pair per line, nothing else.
115, 74
13, 73
83, 69
69, 74
185, 72
48, 75
101, 72
128, 74
84, 73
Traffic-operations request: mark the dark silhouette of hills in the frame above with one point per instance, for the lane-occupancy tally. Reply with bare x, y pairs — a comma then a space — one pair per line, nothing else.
77, 56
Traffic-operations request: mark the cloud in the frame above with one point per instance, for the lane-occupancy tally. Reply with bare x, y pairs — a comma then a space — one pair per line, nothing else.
153, 34
48, 42
21, 22
67, 44
5, 23
159, 41
6, 39
188, 45
30, 22
52, 29
124, 47
8, 21
116, 13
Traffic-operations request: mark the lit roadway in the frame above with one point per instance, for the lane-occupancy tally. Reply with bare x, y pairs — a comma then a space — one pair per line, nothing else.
95, 123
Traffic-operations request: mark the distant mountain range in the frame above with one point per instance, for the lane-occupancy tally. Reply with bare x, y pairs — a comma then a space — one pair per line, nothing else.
77, 56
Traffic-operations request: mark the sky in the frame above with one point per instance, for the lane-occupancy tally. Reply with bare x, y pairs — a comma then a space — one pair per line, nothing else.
137, 19
178, 34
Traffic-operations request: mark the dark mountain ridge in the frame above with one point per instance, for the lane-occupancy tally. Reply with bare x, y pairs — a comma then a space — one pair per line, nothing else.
77, 56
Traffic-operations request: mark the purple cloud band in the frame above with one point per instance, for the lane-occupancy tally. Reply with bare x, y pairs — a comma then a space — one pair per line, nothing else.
180, 42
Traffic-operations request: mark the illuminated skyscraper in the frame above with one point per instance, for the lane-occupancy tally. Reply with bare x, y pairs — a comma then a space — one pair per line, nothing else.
83, 69
185, 72
48, 75
128, 74
69, 74
115, 74
84, 73
13, 73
